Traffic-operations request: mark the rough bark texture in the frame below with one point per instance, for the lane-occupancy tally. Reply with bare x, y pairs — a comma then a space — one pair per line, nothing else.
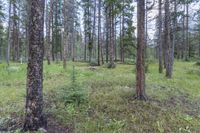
140, 65
34, 118
160, 38
167, 41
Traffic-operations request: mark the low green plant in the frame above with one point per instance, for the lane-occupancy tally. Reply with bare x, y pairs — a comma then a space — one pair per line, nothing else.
93, 63
111, 65
197, 63
73, 93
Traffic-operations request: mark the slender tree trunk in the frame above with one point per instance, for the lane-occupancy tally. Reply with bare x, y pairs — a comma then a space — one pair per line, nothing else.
48, 28
160, 38
111, 50
115, 38
9, 35
140, 65
183, 36
187, 32
167, 41
99, 33
107, 34
123, 27
65, 36
34, 117
175, 29
15, 33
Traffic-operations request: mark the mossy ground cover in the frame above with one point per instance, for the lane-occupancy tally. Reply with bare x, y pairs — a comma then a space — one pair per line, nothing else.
173, 105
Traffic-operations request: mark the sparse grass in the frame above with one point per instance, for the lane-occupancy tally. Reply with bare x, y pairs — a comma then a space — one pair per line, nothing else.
173, 105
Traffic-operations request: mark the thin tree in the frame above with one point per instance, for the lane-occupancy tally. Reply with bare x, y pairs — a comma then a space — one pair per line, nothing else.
99, 33
34, 118
160, 38
140, 65
9, 35
169, 54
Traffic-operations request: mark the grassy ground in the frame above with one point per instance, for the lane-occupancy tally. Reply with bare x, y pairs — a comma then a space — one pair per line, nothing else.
173, 105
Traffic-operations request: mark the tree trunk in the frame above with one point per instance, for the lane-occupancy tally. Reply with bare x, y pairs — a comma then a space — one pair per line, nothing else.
122, 42
111, 48
187, 32
140, 64
160, 38
183, 36
34, 117
49, 41
167, 41
99, 33
15, 33
107, 34
9, 35
174, 30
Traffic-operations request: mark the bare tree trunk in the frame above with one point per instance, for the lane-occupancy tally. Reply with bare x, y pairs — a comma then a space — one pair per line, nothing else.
99, 33
107, 34
111, 50
174, 29
122, 42
187, 32
167, 41
183, 36
140, 65
9, 35
115, 38
49, 41
160, 38
15, 33
34, 117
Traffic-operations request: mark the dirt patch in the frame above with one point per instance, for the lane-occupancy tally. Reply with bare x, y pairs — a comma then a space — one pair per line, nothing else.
54, 127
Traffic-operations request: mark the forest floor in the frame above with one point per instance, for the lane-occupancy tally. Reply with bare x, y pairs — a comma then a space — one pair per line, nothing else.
106, 99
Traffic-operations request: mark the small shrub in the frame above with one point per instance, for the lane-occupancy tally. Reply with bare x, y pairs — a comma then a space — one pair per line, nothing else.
111, 65
197, 63
73, 93
93, 63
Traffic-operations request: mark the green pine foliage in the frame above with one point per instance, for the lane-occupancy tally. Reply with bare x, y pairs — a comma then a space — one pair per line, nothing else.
73, 93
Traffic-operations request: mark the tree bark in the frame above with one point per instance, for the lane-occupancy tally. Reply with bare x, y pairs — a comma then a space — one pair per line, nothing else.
34, 117
160, 38
187, 32
169, 64
9, 35
99, 33
140, 64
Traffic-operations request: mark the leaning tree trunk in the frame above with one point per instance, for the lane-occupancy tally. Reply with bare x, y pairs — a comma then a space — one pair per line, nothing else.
34, 118
140, 65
